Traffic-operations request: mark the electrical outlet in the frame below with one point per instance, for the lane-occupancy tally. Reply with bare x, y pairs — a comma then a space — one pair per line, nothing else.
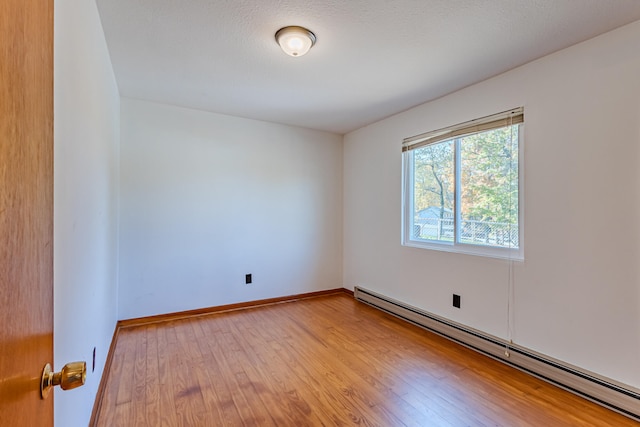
247, 279
456, 301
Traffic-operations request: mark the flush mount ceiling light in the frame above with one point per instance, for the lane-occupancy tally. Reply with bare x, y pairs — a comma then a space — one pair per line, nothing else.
295, 41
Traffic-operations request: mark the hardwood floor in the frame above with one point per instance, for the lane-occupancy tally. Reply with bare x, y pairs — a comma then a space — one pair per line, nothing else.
321, 361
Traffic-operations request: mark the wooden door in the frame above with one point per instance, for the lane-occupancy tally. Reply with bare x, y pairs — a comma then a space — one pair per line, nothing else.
26, 209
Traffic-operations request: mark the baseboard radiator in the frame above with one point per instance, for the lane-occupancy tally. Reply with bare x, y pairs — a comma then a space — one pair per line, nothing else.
618, 397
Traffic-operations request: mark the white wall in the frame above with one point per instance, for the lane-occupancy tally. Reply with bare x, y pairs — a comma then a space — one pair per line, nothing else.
86, 138
577, 294
208, 198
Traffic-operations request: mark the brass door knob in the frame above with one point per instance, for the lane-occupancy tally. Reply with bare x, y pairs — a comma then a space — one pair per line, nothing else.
71, 376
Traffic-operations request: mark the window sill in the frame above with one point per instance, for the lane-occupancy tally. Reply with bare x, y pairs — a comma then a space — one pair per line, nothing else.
467, 249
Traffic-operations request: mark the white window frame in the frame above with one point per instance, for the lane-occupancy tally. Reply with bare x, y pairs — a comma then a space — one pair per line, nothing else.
456, 246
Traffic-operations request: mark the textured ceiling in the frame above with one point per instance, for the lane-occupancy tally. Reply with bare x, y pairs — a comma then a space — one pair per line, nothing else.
373, 58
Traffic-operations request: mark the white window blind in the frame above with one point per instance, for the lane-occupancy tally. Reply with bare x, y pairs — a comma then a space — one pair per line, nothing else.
494, 121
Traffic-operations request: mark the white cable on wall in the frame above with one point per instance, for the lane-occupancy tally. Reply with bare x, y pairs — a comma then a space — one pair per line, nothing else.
510, 269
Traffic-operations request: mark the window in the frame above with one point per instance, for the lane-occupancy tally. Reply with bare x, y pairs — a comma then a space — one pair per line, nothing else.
462, 187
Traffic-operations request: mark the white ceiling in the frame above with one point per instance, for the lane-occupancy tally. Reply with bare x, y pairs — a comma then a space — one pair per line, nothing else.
373, 58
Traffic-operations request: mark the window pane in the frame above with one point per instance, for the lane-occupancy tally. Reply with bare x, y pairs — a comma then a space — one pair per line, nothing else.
433, 192
489, 188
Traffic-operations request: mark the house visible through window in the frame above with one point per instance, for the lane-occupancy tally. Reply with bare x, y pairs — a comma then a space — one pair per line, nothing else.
462, 187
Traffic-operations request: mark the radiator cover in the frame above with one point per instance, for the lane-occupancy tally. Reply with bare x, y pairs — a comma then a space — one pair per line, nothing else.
606, 392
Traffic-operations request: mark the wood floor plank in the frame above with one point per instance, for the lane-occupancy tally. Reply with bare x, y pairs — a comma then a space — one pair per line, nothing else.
352, 348
230, 402
166, 418
140, 385
322, 361
272, 368
152, 374
123, 415
431, 409
112, 380
126, 346
288, 386
256, 381
297, 386
206, 371
354, 392
189, 402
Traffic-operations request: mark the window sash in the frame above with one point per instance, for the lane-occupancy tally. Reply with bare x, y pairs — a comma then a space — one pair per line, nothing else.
483, 124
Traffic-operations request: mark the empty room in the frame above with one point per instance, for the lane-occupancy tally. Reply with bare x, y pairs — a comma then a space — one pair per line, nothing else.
294, 212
